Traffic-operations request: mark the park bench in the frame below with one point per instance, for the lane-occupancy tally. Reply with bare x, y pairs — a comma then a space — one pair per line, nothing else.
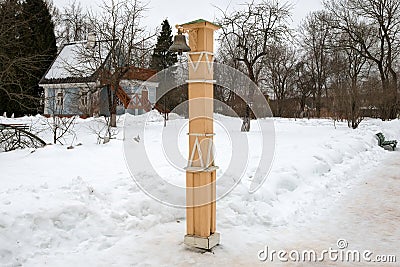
15, 136
383, 143
18, 126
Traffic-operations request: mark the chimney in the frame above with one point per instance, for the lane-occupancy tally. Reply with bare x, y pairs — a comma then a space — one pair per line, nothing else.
91, 40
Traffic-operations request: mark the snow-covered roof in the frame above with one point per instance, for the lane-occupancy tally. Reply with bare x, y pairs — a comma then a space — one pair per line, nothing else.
76, 62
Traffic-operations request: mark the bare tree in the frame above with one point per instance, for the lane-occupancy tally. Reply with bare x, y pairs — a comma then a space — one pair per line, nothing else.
72, 23
61, 126
247, 35
348, 67
373, 26
14, 137
280, 67
119, 22
304, 87
315, 36
103, 130
228, 57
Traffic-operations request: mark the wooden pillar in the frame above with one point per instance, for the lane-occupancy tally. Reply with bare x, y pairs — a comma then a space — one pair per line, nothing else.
201, 170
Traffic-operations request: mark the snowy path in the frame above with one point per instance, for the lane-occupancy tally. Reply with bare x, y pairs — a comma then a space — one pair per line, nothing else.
367, 216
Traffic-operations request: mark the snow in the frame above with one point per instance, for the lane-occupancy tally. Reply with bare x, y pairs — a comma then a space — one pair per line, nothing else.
63, 207
77, 61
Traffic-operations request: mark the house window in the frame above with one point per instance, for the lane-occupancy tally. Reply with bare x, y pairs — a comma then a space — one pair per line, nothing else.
152, 95
119, 102
60, 99
84, 99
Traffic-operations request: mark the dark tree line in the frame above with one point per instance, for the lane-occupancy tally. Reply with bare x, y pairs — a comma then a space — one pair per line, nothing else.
371, 30
342, 62
27, 48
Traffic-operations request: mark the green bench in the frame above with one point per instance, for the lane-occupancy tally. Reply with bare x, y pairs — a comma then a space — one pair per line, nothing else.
383, 143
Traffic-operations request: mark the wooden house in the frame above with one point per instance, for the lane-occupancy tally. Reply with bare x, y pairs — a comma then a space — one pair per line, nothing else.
74, 84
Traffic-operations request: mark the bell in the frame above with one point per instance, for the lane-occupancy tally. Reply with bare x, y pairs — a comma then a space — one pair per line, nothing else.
179, 44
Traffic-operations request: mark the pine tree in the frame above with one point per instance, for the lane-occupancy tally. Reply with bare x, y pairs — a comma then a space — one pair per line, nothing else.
162, 58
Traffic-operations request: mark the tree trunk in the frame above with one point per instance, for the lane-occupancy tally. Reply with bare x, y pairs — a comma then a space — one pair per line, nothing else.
302, 105
112, 106
113, 120
318, 103
355, 105
246, 120
394, 108
113, 110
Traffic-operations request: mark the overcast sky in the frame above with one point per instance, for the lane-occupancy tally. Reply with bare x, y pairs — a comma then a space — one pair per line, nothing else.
181, 11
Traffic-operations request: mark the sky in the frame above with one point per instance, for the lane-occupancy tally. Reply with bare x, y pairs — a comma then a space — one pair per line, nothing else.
182, 11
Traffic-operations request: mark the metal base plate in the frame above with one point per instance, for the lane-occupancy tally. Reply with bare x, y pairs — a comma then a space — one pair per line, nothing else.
202, 242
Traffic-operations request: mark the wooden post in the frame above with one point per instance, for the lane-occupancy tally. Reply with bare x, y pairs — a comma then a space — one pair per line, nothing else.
201, 171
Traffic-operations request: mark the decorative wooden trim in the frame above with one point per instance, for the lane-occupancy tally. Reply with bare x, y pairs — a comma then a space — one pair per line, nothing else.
209, 59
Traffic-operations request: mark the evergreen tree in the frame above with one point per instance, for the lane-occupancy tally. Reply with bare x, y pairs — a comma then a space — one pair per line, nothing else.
12, 65
27, 48
40, 42
162, 58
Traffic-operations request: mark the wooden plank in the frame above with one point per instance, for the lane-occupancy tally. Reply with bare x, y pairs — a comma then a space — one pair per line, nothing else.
189, 202
196, 210
214, 204
202, 214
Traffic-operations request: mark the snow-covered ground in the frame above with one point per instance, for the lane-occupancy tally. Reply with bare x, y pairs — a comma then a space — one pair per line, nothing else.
81, 207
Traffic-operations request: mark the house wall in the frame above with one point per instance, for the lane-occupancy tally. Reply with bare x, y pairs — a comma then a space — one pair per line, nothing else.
68, 99
132, 88
72, 100
103, 102
97, 103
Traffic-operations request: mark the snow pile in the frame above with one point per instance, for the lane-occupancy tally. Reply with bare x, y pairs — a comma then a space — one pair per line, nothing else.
313, 161
81, 206
155, 116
